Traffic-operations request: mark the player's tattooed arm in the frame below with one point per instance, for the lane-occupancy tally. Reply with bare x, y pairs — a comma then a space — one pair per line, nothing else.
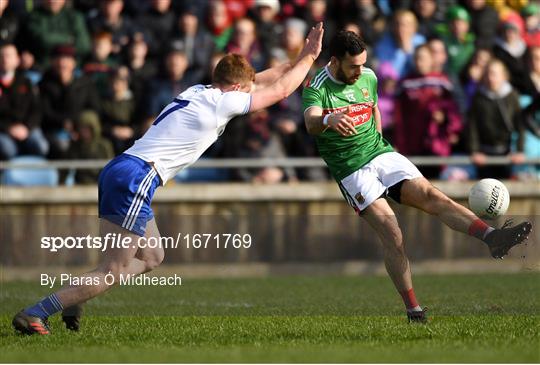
342, 123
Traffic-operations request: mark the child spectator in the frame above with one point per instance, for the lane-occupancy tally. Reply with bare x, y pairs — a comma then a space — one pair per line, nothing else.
494, 115
101, 62
20, 114
89, 144
427, 118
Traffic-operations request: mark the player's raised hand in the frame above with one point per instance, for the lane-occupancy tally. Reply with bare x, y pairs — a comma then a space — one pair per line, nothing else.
342, 123
313, 45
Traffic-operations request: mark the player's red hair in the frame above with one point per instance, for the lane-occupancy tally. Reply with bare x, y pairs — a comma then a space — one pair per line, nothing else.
233, 69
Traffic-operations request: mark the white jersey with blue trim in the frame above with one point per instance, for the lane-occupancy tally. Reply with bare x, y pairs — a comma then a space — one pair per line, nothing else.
187, 127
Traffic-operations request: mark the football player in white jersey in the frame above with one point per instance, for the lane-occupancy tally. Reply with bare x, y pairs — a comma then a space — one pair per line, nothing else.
177, 138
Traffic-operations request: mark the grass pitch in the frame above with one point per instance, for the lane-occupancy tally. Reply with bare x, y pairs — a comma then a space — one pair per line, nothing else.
473, 318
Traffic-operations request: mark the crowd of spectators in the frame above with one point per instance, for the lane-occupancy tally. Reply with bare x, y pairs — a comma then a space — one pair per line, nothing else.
83, 79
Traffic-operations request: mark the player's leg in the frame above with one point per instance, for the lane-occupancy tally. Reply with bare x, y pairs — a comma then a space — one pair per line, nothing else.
34, 318
363, 190
151, 256
146, 259
421, 194
382, 219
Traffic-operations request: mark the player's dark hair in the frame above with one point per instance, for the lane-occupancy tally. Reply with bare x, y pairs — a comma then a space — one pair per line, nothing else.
346, 42
233, 69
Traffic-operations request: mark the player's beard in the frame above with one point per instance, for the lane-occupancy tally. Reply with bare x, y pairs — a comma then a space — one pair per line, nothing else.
340, 75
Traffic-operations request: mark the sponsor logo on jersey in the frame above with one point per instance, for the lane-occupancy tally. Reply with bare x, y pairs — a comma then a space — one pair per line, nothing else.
360, 112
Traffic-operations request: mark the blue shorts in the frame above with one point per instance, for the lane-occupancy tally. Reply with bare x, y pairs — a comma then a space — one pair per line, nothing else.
125, 190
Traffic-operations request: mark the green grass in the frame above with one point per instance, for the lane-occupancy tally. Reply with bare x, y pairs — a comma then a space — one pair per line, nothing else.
474, 318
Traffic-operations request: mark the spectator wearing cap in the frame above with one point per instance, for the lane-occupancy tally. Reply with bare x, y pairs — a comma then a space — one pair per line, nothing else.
196, 42
269, 30
397, 47
110, 19
220, 24
101, 62
294, 37
531, 17
458, 38
157, 24
63, 97
484, 21
9, 24
244, 42
54, 24
118, 111
20, 113
511, 49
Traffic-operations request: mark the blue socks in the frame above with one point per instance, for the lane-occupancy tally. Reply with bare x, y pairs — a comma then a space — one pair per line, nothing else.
47, 307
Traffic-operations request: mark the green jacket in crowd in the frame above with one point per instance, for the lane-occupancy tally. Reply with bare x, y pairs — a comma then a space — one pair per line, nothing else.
43, 30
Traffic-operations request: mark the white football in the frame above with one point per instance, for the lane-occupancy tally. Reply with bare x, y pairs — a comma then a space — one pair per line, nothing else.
489, 198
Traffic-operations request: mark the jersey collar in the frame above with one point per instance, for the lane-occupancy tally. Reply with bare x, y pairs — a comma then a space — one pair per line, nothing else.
327, 70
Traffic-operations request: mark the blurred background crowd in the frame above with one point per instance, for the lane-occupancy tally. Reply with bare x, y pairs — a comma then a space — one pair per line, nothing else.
83, 79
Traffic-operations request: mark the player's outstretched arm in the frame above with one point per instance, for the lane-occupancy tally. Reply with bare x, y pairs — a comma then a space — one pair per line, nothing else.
289, 81
269, 76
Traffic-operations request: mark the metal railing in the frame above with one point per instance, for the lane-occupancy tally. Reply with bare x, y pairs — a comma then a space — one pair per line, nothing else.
223, 163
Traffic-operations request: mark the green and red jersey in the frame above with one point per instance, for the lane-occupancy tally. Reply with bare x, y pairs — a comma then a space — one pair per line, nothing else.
345, 155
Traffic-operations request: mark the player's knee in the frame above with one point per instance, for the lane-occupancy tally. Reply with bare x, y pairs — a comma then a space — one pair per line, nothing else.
436, 201
115, 269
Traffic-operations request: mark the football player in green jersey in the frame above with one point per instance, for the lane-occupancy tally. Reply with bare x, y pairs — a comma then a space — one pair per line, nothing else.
340, 110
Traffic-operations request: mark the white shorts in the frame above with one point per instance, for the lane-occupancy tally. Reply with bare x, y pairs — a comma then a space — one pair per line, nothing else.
363, 187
